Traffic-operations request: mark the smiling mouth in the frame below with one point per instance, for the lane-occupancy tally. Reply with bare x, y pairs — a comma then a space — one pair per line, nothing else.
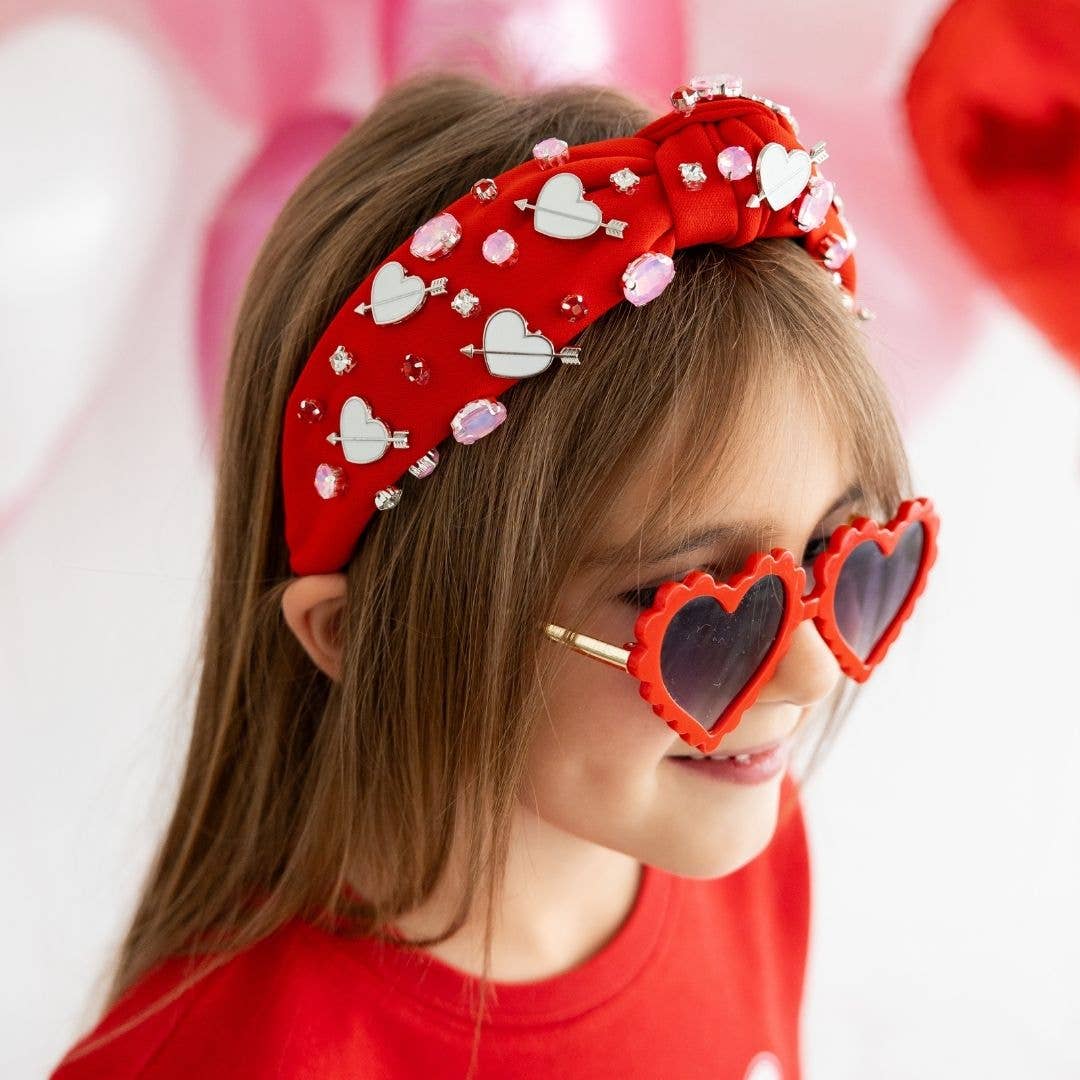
742, 756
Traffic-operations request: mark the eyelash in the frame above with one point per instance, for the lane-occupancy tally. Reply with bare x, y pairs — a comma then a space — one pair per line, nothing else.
645, 597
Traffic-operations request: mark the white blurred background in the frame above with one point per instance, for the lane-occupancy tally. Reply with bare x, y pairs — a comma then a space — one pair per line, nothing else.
944, 826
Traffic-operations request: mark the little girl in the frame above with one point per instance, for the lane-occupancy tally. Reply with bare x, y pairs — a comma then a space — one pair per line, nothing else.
511, 642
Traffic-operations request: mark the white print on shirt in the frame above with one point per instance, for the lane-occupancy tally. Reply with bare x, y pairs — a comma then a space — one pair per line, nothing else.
765, 1066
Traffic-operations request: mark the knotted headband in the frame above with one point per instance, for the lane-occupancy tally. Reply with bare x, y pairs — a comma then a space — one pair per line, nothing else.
494, 288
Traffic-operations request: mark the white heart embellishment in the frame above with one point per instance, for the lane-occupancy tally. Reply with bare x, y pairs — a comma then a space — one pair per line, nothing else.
510, 350
363, 438
562, 211
781, 173
395, 294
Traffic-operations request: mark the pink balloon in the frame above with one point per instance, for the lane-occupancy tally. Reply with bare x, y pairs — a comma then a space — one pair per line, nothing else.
240, 225
911, 272
262, 60
541, 42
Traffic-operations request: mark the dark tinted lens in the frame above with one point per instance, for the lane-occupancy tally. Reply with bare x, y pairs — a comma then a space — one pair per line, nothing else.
871, 588
709, 655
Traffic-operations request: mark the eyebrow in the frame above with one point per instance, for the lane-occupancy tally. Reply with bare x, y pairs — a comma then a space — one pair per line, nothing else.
733, 533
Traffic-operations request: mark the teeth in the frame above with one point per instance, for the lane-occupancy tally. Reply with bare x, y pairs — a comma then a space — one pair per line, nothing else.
743, 759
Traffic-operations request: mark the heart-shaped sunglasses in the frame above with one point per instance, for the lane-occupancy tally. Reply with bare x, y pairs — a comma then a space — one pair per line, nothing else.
703, 649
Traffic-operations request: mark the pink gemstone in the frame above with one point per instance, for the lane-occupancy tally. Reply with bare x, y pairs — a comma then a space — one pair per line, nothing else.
551, 152
477, 419
436, 237
835, 250
815, 204
310, 410
329, 480
500, 248
647, 276
734, 162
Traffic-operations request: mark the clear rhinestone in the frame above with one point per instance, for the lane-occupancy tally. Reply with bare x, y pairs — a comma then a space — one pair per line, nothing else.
573, 307
425, 466
711, 86
415, 369
693, 175
341, 360
387, 498
310, 410
465, 303
683, 99
485, 190
626, 180
329, 480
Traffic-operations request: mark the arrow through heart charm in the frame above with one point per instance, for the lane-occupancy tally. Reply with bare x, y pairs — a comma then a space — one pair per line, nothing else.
396, 294
512, 352
782, 174
562, 211
364, 438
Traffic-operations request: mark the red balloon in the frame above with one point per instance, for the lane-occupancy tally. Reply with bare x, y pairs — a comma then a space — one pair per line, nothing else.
240, 225
994, 109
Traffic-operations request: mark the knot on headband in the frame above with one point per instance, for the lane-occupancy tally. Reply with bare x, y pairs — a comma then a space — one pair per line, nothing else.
493, 289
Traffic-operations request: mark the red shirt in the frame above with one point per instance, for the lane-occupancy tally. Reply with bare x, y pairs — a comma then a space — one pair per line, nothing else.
704, 979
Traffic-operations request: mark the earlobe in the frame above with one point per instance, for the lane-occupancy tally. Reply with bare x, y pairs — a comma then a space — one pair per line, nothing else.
312, 606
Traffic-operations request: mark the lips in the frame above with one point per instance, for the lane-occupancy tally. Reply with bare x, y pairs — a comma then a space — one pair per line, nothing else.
742, 752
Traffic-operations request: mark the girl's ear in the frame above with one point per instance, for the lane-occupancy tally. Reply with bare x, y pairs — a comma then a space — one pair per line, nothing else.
312, 606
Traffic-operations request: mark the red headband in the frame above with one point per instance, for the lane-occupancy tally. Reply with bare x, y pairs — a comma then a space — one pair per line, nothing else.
388, 381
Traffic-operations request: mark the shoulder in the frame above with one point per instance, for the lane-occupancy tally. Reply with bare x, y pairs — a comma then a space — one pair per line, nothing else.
266, 1010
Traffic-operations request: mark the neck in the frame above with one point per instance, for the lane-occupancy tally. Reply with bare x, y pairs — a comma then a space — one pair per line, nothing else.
563, 898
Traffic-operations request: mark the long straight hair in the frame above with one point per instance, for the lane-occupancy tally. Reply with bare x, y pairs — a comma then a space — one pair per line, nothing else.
294, 781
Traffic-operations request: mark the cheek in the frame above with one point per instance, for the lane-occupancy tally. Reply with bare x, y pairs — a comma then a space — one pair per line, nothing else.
593, 761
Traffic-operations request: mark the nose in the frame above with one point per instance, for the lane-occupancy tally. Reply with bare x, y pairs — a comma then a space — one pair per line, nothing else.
806, 673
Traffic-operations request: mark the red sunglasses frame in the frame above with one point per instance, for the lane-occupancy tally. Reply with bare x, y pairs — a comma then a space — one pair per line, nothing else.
641, 657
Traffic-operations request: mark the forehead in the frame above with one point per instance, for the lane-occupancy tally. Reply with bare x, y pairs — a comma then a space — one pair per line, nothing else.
782, 467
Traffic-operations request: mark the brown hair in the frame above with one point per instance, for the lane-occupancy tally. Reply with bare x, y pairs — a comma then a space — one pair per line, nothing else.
293, 780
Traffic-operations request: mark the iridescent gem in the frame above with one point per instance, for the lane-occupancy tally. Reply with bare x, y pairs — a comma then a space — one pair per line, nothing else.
734, 162
477, 419
500, 248
815, 204
425, 466
693, 175
573, 307
329, 480
683, 99
626, 180
835, 250
436, 237
709, 86
310, 410
415, 370
551, 152
485, 190
465, 303
387, 498
341, 360
647, 276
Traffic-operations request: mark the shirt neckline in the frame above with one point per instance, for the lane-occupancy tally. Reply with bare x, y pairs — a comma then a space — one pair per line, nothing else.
618, 962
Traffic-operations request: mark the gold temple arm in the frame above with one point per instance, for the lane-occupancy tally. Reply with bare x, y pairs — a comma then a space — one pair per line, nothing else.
590, 646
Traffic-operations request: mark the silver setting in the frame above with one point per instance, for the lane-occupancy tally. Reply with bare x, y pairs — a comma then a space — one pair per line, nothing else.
341, 360
626, 180
562, 211
387, 498
510, 351
782, 174
396, 294
465, 303
425, 466
363, 437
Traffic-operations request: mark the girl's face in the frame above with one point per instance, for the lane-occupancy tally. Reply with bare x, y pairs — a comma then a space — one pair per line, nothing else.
601, 764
